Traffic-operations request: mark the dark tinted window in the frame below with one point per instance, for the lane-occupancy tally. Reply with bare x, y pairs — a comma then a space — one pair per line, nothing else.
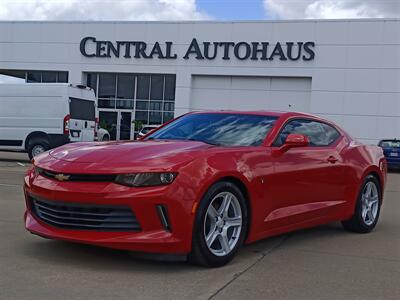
169, 89
62, 77
157, 87
155, 118
91, 81
126, 86
319, 134
107, 85
142, 116
220, 129
143, 85
128, 104
49, 76
34, 76
142, 104
155, 105
105, 103
169, 106
168, 116
82, 109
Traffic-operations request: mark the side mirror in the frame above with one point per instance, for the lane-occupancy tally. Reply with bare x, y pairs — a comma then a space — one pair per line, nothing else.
296, 140
293, 141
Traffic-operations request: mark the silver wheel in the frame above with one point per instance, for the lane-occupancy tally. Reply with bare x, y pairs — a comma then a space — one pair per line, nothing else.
223, 223
37, 149
369, 203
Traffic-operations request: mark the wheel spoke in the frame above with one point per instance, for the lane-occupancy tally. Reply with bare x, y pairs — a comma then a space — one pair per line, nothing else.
212, 235
226, 202
370, 215
233, 222
364, 212
368, 190
373, 200
223, 239
212, 212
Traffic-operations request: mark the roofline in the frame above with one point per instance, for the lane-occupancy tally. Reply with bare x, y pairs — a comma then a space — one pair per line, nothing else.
199, 21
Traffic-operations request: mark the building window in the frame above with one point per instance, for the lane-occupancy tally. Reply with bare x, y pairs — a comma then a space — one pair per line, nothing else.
46, 76
151, 97
34, 77
62, 77
169, 93
49, 76
143, 84
91, 81
157, 87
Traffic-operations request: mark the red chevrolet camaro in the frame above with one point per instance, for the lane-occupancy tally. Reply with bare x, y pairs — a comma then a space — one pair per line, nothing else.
206, 183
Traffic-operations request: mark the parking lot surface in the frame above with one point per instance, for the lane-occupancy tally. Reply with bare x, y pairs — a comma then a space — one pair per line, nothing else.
320, 263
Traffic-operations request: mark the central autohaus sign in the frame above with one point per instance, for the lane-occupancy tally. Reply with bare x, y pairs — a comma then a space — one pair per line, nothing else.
91, 47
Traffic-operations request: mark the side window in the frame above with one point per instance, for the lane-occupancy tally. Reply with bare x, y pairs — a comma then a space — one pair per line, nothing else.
319, 134
331, 133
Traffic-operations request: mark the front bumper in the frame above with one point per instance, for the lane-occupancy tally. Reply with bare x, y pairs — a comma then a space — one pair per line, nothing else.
153, 236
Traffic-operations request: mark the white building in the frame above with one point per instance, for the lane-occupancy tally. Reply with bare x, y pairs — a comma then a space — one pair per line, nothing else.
347, 71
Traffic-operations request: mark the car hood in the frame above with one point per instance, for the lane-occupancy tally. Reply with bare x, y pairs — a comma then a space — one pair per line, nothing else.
117, 157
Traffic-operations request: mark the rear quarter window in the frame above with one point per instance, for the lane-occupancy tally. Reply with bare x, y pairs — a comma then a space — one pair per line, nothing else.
320, 134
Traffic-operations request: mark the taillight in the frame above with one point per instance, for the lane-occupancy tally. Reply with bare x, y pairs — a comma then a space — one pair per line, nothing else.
66, 124
96, 126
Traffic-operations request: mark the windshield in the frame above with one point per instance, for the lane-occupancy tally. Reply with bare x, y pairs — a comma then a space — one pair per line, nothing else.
218, 129
390, 144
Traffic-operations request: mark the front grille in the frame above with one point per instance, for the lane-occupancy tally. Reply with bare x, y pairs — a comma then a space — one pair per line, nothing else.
78, 177
84, 216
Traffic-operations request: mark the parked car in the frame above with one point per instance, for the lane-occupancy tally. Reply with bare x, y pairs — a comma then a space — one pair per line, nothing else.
103, 135
391, 150
37, 117
146, 129
206, 183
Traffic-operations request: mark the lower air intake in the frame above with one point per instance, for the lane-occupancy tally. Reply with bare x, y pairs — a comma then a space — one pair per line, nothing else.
84, 216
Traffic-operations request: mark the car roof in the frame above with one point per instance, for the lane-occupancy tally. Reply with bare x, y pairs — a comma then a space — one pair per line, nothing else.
258, 113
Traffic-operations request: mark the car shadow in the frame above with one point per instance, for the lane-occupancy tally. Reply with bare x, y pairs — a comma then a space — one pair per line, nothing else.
94, 257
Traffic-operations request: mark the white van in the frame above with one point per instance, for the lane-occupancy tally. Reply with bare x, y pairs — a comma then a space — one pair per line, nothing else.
35, 117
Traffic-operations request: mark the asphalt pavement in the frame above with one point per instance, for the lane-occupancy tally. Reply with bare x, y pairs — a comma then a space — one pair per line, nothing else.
320, 263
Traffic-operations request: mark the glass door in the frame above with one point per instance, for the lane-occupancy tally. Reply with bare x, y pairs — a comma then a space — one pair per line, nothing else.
125, 125
117, 123
109, 121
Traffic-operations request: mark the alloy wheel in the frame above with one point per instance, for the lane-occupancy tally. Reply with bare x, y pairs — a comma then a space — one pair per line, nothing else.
37, 149
369, 203
223, 223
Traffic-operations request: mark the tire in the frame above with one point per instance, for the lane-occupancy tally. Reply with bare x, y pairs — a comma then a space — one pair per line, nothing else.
37, 145
105, 138
366, 214
210, 221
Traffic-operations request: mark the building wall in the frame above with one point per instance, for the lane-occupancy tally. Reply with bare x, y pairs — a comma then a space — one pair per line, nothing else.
354, 77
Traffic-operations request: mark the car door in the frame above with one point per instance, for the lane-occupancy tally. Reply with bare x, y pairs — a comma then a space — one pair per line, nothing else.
308, 181
82, 120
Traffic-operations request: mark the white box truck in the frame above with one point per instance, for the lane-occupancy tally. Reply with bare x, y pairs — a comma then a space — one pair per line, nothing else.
36, 117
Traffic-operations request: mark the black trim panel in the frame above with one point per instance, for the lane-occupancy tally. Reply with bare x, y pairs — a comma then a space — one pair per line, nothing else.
10, 143
56, 140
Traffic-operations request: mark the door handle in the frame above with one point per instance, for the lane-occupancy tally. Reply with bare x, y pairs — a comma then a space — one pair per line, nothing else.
332, 159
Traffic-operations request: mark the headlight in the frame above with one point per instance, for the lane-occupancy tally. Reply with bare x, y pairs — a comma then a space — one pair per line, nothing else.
37, 171
145, 179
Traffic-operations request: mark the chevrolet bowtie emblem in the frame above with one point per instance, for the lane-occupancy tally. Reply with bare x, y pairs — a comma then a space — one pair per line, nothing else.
61, 177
